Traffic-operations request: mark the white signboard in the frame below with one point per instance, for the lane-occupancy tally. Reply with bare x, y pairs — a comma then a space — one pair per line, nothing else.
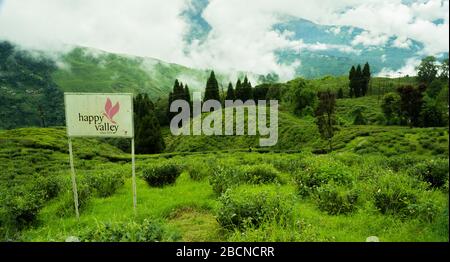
99, 115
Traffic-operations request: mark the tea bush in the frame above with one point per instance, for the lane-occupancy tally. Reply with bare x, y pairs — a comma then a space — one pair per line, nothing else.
403, 196
260, 174
146, 231
320, 173
47, 187
225, 177
160, 175
434, 171
336, 200
198, 171
251, 205
22, 205
104, 183
398, 163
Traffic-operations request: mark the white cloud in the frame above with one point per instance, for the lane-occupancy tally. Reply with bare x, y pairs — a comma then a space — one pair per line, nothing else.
409, 68
396, 19
402, 42
367, 38
241, 37
146, 28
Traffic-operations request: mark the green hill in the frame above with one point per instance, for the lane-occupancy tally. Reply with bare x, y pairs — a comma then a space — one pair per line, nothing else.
301, 134
32, 82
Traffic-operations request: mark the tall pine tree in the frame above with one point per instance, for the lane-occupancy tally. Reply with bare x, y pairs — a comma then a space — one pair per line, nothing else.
230, 92
238, 94
351, 77
187, 94
247, 91
359, 81
212, 88
366, 79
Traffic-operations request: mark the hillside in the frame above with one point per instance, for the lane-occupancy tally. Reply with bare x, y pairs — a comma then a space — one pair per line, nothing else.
301, 134
32, 82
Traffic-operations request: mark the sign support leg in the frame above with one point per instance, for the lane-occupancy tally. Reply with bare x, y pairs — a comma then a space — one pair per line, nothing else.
74, 182
133, 175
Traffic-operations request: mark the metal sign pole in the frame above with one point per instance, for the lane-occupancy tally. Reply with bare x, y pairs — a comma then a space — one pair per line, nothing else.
74, 182
134, 175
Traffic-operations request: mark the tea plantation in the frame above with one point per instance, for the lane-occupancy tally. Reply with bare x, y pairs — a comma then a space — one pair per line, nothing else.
384, 181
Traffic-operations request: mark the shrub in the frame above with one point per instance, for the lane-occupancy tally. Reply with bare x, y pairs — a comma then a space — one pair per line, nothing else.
320, 173
260, 174
288, 165
394, 195
198, 171
22, 206
403, 196
398, 163
250, 206
432, 171
226, 177
336, 200
223, 178
104, 184
147, 231
161, 175
47, 187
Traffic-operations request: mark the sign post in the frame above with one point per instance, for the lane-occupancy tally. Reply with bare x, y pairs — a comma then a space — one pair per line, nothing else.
99, 115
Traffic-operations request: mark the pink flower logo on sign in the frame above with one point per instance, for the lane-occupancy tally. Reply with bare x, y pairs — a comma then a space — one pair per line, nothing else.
111, 111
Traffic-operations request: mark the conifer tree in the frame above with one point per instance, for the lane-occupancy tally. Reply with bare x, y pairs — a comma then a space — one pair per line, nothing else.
187, 94
351, 77
366, 79
247, 91
238, 94
230, 92
358, 81
212, 88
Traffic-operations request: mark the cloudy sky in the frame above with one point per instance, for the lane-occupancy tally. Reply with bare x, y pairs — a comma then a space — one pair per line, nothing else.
240, 33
